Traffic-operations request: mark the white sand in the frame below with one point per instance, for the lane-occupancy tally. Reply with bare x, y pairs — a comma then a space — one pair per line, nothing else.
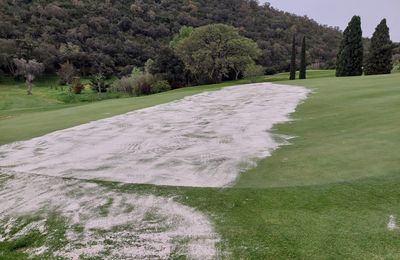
392, 223
139, 226
203, 140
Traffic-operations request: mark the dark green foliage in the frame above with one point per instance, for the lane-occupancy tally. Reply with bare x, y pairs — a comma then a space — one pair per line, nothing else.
350, 56
293, 60
124, 33
212, 51
160, 86
379, 60
99, 84
303, 62
169, 67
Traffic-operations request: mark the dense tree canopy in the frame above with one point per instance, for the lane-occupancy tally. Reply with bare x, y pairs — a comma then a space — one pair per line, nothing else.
379, 60
211, 52
118, 34
350, 55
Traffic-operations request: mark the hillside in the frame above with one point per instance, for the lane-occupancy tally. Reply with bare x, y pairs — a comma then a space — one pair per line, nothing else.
123, 33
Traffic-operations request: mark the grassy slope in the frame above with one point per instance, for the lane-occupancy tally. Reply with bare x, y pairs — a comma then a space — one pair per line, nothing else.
347, 129
347, 148
23, 117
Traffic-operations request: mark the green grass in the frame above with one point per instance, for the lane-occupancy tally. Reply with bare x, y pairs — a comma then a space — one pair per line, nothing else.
348, 129
329, 195
23, 117
54, 239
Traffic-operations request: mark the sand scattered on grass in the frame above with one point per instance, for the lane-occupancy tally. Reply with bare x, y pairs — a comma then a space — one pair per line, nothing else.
204, 140
106, 223
392, 223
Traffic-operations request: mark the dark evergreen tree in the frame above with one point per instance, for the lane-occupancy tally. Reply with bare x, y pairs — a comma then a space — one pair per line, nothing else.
293, 60
379, 60
303, 64
350, 56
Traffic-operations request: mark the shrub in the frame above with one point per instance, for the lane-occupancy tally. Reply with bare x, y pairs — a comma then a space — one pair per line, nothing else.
99, 84
396, 63
253, 71
124, 85
77, 86
161, 86
66, 73
140, 83
396, 67
143, 84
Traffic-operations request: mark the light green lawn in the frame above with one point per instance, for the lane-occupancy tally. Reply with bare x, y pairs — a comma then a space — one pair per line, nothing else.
329, 195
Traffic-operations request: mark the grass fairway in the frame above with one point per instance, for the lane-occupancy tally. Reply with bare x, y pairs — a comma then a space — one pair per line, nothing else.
23, 117
347, 130
329, 195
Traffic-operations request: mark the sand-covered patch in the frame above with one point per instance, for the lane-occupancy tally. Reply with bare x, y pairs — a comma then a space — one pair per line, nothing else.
103, 223
204, 140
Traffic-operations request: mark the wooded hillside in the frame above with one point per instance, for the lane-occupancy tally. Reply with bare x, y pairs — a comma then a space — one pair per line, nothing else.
125, 33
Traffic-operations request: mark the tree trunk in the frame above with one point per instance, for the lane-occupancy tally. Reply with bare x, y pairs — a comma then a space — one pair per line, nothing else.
29, 84
29, 79
237, 75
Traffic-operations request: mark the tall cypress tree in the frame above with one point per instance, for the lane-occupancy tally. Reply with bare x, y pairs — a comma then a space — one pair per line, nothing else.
303, 64
293, 60
379, 60
350, 56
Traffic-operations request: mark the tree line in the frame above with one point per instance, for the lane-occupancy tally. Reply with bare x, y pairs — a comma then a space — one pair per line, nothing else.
206, 54
350, 58
116, 35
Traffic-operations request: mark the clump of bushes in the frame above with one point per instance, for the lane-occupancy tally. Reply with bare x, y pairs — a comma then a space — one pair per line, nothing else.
161, 86
66, 73
140, 83
77, 86
143, 84
99, 84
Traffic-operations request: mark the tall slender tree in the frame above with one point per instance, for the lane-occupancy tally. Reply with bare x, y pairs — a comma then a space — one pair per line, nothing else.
303, 62
350, 56
379, 60
293, 60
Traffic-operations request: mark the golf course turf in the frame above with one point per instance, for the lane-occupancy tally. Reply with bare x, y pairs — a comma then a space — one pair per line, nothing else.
329, 194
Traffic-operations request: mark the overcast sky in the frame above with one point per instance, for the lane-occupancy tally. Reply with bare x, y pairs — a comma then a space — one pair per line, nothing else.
339, 12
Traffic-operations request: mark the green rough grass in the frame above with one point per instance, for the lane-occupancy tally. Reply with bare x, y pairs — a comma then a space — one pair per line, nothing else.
329, 195
17, 248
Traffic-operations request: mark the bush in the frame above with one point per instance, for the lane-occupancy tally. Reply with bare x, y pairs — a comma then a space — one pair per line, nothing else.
99, 84
66, 73
140, 83
124, 85
253, 71
161, 86
396, 63
77, 86
396, 67
143, 84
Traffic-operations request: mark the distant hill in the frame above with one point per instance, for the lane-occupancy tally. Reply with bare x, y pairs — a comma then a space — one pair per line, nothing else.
122, 33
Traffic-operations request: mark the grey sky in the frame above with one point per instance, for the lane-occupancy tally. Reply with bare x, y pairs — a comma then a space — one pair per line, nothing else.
339, 12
